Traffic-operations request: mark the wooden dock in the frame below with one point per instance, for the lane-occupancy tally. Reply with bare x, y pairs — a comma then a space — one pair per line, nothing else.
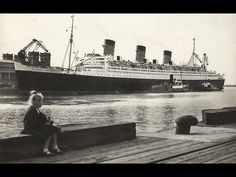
118, 143
148, 150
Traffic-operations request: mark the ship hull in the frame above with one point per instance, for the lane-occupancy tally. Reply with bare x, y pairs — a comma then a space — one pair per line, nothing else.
82, 83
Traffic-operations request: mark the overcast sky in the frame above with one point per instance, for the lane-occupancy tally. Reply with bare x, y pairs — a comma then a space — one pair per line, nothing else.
215, 35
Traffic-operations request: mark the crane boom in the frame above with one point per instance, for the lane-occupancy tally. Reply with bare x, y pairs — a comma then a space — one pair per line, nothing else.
196, 55
40, 44
28, 45
23, 52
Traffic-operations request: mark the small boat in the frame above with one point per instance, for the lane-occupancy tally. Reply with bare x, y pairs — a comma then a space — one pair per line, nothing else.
175, 86
178, 86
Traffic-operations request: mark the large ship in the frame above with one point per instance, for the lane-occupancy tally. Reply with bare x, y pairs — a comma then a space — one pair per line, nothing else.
96, 73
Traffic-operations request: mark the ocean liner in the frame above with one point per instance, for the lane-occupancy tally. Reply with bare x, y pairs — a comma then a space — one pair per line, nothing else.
105, 73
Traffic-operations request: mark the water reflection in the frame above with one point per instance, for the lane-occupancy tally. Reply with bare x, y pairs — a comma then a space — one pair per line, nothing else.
152, 111
111, 113
141, 113
168, 115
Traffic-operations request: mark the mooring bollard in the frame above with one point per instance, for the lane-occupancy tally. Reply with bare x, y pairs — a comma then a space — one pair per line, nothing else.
184, 124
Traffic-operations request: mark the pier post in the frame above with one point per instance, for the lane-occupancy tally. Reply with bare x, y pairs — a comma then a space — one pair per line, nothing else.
184, 124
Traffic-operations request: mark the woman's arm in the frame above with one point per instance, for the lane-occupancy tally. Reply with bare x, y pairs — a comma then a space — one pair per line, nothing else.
44, 118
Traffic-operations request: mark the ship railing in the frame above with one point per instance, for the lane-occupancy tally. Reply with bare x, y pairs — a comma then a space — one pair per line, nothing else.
159, 71
148, 71
119, 73
125, 67
154, 73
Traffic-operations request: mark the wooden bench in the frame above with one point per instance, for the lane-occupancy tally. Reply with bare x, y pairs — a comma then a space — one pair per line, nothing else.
219, 116
73, 136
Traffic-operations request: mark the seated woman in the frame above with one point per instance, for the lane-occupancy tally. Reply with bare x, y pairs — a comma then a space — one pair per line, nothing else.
40, 125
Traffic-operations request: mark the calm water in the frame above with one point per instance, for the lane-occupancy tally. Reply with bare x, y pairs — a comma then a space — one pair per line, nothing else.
151, 111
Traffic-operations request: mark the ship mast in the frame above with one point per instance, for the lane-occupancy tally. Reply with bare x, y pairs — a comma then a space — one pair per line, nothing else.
193, 45
71, 40
193, 56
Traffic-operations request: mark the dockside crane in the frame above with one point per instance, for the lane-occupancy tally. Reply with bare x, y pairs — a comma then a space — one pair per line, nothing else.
194, 56
22, 54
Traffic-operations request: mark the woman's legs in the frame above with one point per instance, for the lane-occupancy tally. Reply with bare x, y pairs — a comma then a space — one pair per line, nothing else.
54, 139
52, 136
46, 144
55, 145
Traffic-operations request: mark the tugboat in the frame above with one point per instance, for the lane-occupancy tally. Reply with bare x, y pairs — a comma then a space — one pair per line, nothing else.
178, 86
175, 86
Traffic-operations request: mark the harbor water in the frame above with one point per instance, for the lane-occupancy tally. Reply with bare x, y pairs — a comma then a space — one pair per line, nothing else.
152, 112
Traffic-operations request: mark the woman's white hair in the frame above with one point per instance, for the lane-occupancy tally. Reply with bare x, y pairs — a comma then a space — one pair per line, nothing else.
33, 98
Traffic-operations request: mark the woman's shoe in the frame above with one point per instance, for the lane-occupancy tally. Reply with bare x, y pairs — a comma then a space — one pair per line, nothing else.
58, 151
48, 153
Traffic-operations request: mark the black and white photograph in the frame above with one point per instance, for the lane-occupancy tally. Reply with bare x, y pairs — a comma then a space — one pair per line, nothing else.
117, 88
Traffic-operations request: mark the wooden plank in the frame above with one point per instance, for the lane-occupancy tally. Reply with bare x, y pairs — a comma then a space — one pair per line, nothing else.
209, 156
126, 152
91, 150
177, 151
213, 154
101, 150
122, 152
218, 159
229, 160
139, 157
195, 154
116, 144
146, 150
